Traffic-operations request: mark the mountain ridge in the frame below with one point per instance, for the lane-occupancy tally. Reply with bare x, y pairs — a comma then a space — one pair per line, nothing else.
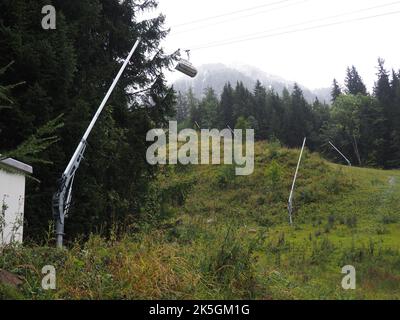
216, 75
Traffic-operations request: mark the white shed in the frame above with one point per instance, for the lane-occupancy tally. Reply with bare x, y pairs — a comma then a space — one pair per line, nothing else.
12, 200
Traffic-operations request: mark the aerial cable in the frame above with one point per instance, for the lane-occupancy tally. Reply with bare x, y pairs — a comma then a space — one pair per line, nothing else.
236, 18
218, 44
304, 23
229, 13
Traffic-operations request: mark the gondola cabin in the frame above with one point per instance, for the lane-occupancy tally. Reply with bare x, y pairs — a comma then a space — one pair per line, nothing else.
186, 67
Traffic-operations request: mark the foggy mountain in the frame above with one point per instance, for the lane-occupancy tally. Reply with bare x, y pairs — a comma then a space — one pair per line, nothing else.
217, 75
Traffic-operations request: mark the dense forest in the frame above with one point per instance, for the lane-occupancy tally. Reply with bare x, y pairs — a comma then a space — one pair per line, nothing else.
364, 126
53, 84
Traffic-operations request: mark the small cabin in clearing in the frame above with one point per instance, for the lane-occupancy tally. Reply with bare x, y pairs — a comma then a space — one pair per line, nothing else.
12, 200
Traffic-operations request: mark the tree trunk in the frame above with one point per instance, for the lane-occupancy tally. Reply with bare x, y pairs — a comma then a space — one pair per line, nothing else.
356, 150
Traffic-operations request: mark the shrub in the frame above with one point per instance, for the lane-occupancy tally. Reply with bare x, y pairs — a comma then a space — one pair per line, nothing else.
225, 176
389, 219
274, 148
273, 174
351, 221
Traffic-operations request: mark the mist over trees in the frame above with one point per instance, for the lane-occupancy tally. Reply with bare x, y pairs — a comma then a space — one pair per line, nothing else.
365, 126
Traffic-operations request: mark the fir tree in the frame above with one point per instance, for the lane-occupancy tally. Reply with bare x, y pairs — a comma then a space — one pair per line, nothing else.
261, 112
225, 112
354, 83
336, 91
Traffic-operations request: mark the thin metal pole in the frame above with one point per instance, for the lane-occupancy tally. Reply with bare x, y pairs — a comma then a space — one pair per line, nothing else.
290, 207
78, 154
348, 161
101, 107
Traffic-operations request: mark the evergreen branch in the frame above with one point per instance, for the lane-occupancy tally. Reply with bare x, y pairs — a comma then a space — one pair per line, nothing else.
37, 143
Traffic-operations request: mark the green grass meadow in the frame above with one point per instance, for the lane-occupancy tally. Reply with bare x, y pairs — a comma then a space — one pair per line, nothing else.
221, 236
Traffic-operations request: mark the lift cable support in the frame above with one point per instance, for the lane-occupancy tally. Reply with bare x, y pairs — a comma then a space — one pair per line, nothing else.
62, 197
347, 160
290, 201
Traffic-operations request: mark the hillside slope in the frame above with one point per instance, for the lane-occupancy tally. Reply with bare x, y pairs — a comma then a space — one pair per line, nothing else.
221, 236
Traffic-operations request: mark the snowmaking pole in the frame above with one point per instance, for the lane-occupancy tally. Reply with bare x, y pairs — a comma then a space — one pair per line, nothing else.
230, 129
347, 160
290, 204
62, 197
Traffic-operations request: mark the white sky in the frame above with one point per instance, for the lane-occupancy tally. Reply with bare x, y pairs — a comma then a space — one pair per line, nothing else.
312, 58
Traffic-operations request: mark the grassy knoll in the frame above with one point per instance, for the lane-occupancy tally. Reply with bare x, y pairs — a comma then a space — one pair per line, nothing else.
218, 236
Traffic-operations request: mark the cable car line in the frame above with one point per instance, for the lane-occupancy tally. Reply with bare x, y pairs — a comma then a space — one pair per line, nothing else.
218, 44
236, 18
308, 22
229, 13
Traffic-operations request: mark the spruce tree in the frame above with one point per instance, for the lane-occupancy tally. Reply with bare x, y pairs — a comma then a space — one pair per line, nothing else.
182, 107
336, 91
261, 113
354, 83
194, 109
300, 121
383, 93
382, 88
225, 110
208, 109
242, 106
394, 159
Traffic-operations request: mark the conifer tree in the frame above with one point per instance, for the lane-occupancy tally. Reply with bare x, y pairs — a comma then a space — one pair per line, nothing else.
208, 109
261, 112
354, 83
225, 110
336, 91
383, 93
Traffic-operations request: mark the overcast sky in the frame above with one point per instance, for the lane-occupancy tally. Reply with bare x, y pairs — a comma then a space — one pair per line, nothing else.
312, 57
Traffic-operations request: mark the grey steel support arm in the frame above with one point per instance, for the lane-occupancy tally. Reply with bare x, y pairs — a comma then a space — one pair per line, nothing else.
62, 197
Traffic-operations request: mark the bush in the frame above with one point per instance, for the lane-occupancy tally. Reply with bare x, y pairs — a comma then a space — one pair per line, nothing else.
274, 148
273, 174
390, 219
351, 221
225, 176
